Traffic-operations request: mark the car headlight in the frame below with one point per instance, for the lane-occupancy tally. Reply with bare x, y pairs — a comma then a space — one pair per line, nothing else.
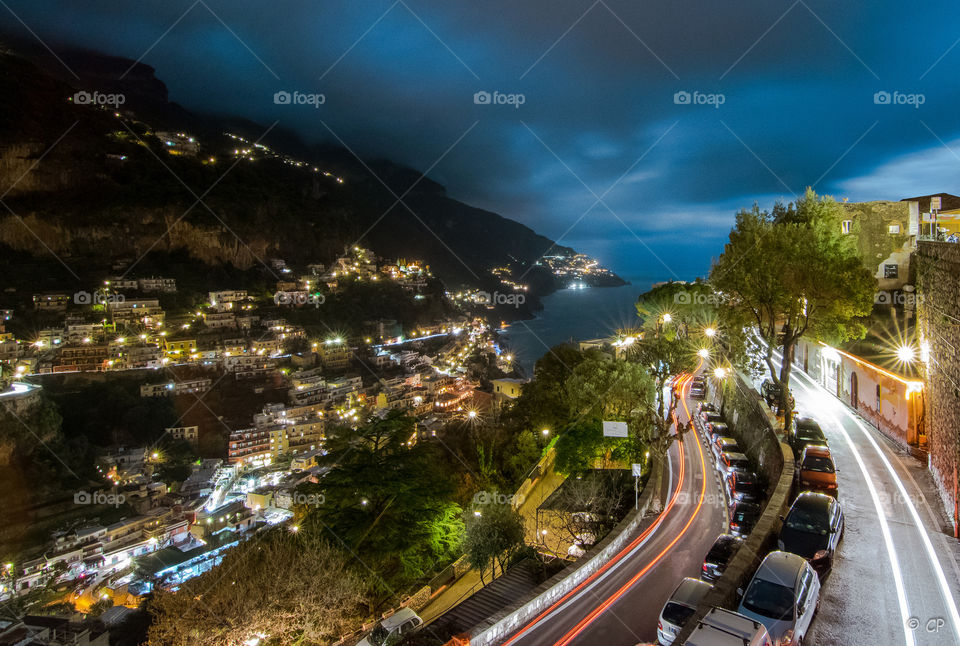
787, 638
822, 554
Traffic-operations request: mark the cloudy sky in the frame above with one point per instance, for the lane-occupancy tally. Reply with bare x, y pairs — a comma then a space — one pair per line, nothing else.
643, 125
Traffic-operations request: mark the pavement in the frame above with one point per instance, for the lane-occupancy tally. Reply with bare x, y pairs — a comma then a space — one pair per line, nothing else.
621, 605
895, 578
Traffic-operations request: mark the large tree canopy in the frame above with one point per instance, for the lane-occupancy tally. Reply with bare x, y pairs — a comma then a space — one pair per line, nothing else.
792, 272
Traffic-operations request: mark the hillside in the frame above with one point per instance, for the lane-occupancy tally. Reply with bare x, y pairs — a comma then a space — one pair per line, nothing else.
100, 187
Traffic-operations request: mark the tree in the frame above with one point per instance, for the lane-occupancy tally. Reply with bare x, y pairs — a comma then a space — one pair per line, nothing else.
493, 533
792, 272
266, 587
387, 501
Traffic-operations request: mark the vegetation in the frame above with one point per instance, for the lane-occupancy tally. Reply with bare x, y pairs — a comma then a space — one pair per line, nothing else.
494, 532
286, 588
791, 272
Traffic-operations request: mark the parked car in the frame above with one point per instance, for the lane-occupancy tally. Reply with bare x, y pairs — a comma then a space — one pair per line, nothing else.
771, 394
730, 460
715, 562
742, 486
817, 471
813, 529
391, 629
743, 516
679, 607
721, 627
697, 392
724, 445
706, 406
707, 417
806, 432
783, 595
718, 429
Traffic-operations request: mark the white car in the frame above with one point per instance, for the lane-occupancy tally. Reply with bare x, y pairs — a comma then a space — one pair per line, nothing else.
784, 596
722, 627
390, 630
679, 607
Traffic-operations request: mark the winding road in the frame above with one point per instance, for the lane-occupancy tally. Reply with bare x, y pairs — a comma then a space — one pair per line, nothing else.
620, 604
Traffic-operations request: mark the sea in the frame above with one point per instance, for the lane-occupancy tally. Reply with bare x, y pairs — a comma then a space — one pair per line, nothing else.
574, 315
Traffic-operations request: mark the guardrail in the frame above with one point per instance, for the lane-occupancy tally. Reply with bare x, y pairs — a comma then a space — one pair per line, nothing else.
745, 405
510, 619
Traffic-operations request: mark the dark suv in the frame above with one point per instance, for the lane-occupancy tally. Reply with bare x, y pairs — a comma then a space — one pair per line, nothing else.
806, 432
719, 556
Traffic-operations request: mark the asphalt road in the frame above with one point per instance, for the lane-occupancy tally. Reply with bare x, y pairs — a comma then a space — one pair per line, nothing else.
895, 579
621, 606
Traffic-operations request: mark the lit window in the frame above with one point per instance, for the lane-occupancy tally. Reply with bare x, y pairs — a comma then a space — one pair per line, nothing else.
845, 226
893, 229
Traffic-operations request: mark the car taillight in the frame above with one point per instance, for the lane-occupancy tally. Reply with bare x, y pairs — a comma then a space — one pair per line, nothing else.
705, 568
659, 625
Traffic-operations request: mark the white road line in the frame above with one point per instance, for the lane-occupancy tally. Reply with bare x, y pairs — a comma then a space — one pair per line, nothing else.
918, 523
884, 527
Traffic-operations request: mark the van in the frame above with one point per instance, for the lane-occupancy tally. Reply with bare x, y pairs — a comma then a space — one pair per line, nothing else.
727, 628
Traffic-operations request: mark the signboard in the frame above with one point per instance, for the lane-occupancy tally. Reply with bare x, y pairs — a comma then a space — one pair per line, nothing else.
927, 217
637, 470
935, 203
615, 429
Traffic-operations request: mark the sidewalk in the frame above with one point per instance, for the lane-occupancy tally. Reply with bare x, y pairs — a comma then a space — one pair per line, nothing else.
462, 588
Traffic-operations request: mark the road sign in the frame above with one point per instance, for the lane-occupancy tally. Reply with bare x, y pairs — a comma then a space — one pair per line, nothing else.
935, 203
637, 470
615, 429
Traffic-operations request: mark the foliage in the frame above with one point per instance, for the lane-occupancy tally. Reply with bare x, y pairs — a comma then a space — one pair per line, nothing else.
263, 588
492, 534
387, 501
791, 272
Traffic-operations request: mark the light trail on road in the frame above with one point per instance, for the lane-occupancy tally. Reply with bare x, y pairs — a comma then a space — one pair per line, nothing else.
817, 391
626, 551
612, 599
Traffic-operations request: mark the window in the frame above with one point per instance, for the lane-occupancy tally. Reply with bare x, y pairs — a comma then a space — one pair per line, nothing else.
845, 226
893, 229
891, 271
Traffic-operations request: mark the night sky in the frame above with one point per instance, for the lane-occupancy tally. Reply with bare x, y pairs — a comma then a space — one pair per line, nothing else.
599, 156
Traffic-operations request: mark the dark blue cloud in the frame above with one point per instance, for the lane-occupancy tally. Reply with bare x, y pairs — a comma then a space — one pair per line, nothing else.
798, 81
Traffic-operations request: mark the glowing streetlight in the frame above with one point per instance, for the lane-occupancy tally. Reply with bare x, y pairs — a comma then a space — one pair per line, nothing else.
477, 513
906, 353
710, 332
667, 317
545, 432
720, 373
703, 353
472, 414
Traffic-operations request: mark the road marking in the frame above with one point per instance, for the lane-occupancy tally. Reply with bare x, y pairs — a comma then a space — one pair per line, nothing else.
881, 515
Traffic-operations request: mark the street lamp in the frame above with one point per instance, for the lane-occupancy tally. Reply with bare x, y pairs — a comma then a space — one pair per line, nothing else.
906, 353
545, 432
720, 372
667, 317
703, 353
710, 332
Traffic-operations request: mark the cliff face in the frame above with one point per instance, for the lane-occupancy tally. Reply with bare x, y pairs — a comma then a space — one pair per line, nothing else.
97, 182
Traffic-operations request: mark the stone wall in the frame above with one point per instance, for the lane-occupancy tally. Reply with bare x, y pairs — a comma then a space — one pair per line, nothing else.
747, 415
938, 316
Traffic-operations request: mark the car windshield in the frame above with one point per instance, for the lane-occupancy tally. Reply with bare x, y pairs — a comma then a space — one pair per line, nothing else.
676, 614
805, 519
379, 635
721, 551
769, 600
809, 434
818, 463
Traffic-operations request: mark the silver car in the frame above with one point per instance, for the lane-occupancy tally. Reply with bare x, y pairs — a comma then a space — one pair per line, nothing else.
784, 595
679, 607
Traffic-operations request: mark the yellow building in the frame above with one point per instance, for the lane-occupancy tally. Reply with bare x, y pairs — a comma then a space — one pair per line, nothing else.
179, 348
